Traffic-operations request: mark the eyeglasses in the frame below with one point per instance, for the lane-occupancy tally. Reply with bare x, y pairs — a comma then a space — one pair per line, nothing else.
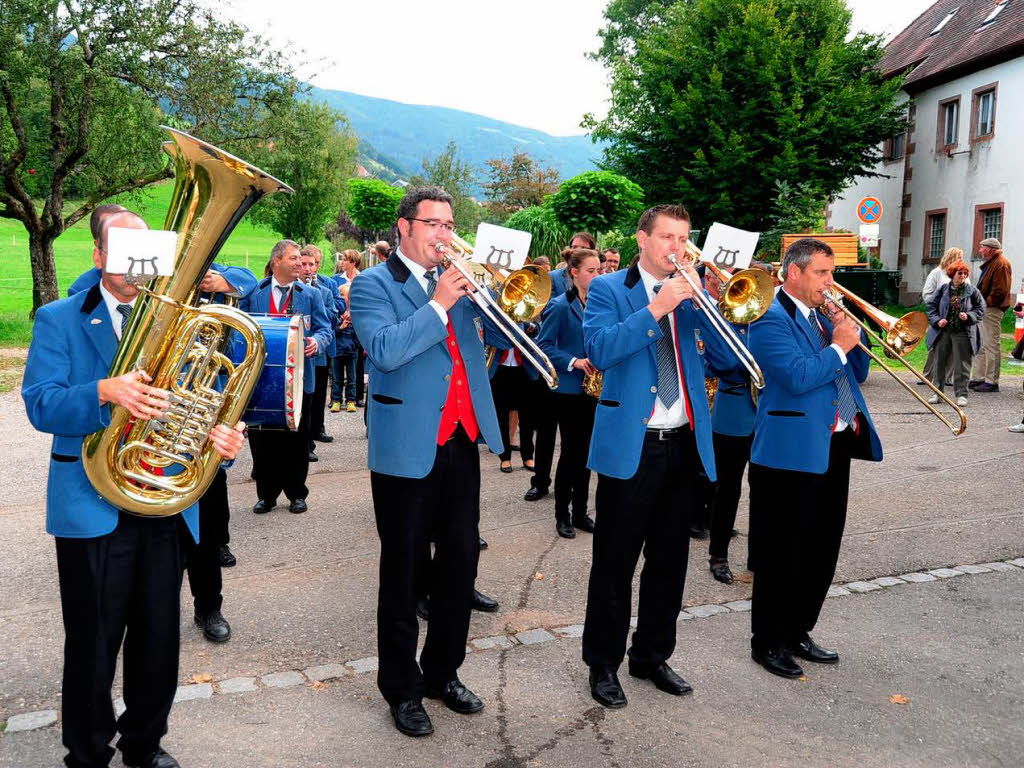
435, 224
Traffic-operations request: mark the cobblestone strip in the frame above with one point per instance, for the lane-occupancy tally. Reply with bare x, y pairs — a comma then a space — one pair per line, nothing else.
317, 675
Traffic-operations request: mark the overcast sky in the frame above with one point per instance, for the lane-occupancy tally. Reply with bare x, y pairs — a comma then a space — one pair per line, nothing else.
522, 61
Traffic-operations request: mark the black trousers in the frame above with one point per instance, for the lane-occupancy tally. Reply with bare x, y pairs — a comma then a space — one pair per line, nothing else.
545, 423
280, 459
801, 517
318, 403
731, 456
204, 576
443, 506
123, 586
649, 512
510, 387
575, 415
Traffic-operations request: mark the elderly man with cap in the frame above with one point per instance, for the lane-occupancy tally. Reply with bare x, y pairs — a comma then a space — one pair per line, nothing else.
994, 284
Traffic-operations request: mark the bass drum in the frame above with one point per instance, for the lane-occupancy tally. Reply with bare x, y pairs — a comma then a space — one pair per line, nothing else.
276, 402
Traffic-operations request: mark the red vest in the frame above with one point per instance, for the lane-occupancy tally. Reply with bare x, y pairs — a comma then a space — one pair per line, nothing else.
273, 302
458, 406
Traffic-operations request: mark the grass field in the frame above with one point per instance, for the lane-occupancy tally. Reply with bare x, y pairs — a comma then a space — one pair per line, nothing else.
248, 246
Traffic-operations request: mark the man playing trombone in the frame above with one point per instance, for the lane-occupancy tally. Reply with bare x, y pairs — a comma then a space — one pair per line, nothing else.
429, 404
652, 427
811, 421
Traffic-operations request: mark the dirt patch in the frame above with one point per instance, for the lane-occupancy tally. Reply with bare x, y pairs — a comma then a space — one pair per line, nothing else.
12, 368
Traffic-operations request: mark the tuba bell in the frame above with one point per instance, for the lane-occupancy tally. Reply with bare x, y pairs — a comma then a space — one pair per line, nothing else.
159, 467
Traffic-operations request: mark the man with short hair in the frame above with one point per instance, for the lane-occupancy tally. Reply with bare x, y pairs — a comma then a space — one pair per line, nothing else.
994, 284
811, 421
652, 431
311, 259
429, 405
612, 259
280, 458
99, 214
383, 249
120, 574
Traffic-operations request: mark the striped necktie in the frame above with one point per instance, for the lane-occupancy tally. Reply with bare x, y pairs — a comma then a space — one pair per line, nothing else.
431, 277
125, 311
668, 373
847, 405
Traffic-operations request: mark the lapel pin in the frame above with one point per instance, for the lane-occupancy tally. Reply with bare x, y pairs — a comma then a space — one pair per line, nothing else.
96, 321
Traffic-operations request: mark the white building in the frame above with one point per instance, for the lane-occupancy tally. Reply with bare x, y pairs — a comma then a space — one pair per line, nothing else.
957, 175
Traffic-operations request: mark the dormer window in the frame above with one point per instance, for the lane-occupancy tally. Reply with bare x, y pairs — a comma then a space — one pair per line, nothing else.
994, 13
948, 18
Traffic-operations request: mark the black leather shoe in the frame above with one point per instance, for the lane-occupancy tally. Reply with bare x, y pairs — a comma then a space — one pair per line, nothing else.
721, 571
227, 557
606, 689
583, 522
457, 697
411, 718
565, 529
699, 532
535, 494
483, 603
483, 544
215, 627
298, 506
423, 608
313, 456
323, 437
777, 661
973, 383
809, 650
664, 679
262, 506
158, 759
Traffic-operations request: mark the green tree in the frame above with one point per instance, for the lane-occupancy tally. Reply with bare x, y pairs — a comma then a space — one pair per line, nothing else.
312, 150
517, 183
796, 208
597, 201
83, 84
453, 174
549, 235
373, 206
714, 101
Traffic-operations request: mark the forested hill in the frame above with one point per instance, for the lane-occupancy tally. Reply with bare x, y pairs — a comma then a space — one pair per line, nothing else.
400, 135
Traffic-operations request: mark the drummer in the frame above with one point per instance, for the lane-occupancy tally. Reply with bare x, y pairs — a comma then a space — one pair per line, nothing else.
281, 457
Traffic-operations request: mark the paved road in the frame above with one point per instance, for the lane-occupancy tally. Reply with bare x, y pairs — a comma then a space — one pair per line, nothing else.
304, 594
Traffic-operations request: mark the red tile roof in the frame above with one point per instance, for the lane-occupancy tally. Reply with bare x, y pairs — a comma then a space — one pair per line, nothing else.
962, 46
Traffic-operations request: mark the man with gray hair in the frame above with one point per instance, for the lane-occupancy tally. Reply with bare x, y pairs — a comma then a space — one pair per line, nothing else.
995, 285
811, 421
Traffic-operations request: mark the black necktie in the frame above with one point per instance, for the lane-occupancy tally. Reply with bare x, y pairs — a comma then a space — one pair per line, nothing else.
668, 374
284, 295
126, 311
431, 277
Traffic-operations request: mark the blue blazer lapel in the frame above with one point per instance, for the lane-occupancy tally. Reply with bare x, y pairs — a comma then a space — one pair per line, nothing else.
96, 325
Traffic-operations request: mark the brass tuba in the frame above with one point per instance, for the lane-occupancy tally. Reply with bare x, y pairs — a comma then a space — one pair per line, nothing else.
160, 467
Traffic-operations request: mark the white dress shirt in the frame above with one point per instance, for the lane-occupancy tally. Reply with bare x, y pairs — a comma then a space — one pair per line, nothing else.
276, 294
112, 303
420, 273
665, 418
806, 312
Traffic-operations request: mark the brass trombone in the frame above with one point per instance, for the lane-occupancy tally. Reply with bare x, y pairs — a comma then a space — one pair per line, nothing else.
902, 334
746, 296
521, 297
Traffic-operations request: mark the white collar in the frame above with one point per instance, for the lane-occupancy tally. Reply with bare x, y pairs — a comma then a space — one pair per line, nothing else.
804, 309
650, 281
275, 284
112, 301
418, 270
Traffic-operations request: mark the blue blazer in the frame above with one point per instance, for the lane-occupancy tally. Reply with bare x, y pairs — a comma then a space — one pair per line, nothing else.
734, 407
410, 367
558, 282
561, 339
306, 302
73, 345
328, 292
241, 278
620, 336
797, 408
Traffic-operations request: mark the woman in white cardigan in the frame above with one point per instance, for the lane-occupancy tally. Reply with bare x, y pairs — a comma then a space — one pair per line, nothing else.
935, 280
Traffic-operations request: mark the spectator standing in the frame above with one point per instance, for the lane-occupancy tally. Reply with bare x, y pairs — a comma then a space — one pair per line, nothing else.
954, 312
936, 279
994, 285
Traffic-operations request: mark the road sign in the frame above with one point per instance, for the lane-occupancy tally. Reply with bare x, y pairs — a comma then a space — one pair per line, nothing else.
869, 235
869, 210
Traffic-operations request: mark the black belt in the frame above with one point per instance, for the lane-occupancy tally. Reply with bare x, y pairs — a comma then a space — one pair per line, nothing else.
666, 434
